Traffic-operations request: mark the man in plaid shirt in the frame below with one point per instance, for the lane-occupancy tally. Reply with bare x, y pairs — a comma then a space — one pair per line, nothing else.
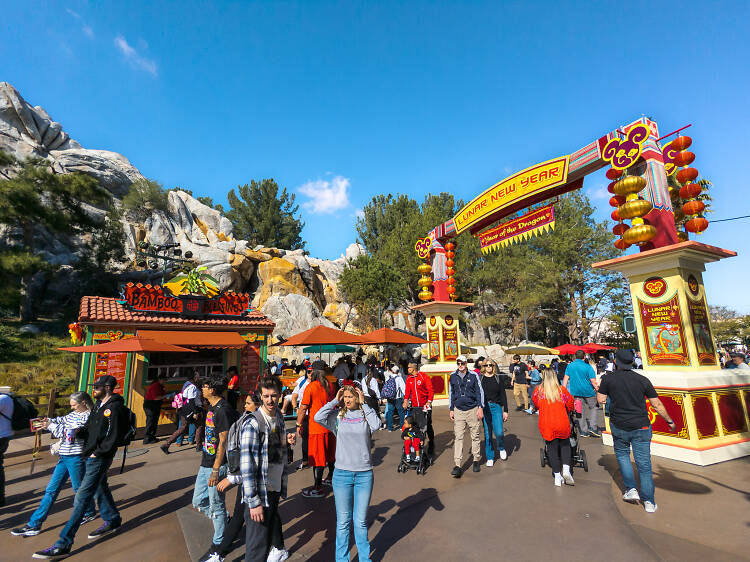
263, 467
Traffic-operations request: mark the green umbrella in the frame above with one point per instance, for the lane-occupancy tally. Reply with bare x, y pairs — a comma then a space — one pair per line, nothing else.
337, 348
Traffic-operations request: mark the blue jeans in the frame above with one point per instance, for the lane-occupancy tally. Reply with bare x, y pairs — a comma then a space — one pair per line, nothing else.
532, 388
352, 491
390, 404
93, 485
210, 501
191, 432
493, 422
640, 440
67, 465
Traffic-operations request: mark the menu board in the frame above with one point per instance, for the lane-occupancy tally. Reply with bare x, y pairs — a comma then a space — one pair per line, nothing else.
663, 332
249, 366
704, 343
116, 367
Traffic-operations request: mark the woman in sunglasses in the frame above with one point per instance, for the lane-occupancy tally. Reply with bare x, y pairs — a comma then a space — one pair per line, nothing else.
495, 411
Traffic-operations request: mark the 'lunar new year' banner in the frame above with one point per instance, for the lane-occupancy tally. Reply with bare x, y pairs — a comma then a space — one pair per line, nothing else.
520, 228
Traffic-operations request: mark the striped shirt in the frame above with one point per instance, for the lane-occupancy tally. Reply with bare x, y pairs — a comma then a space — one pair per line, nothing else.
65, 428
254, 463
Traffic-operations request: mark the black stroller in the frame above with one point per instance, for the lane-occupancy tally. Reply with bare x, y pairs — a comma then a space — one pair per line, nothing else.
578, 455
420, 420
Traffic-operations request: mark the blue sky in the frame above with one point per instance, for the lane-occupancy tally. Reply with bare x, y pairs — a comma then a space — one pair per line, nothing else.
347, 100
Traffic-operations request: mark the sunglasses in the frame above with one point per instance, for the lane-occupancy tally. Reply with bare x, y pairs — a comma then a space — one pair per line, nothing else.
460, 362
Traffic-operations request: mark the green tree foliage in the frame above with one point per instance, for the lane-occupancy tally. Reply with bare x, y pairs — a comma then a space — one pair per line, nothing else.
391, 225
262, 214
547, 279
728, 326
367, 282
34, 197
144, 197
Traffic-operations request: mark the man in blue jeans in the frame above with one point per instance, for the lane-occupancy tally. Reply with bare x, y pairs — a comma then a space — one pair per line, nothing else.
631, 427
103, 431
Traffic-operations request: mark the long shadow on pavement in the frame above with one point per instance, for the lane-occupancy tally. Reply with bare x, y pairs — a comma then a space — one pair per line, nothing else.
410, 512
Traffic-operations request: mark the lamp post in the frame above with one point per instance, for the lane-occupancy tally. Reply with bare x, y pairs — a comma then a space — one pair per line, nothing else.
144, 250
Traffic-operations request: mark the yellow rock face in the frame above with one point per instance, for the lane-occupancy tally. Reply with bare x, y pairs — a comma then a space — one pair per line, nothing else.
336, 313
279, 277
242, 264
257, 256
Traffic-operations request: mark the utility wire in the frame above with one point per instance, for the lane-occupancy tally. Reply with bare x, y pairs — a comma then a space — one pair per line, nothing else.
731, 219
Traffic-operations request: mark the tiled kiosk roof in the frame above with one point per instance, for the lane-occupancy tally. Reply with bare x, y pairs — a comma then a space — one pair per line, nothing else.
107, 310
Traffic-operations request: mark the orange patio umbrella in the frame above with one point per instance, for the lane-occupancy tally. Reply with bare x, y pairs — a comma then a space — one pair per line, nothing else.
388, 336
136, 344
321, 335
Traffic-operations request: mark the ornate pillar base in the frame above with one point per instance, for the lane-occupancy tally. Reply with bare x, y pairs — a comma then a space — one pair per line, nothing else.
444, 343
708, 404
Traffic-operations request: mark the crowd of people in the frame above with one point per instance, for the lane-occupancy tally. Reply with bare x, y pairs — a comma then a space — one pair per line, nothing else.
337, 409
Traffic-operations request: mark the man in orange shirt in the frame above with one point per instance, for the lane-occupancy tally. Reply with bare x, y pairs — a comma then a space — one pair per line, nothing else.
321, 443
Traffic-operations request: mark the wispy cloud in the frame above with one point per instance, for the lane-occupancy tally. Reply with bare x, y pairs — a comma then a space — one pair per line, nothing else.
326, 196
359, 213
87, 29
135, 59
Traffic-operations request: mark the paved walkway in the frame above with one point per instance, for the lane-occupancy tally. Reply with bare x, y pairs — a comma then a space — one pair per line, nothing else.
511, 510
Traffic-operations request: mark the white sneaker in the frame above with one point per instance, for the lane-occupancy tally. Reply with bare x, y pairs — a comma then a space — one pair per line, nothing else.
558, 479
277, 555
568, 478
503, 454
650, 507
215, 558
631, 496
490, 462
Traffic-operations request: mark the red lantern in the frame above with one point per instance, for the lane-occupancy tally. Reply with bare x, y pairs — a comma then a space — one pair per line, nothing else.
617, 200
619, 228
450, 246
693, 208
613, 174
616, 215
449, 263
451, 281
690, 191
681, 143
620, 244
451, 290
611, 187
687, 174
450, 271
697, 225
684, 158
450, 255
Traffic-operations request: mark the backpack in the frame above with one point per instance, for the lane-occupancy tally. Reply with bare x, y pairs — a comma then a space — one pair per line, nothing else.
126, 427
389, 389
234, 438
23, 412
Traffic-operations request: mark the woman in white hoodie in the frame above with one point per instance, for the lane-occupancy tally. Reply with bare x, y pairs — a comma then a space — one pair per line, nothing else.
70, 464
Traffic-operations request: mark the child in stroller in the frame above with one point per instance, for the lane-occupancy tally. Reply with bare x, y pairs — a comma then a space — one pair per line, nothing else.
413, 433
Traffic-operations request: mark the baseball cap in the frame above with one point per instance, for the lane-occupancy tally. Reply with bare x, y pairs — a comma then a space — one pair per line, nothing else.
106, 380
461, 358
307, 357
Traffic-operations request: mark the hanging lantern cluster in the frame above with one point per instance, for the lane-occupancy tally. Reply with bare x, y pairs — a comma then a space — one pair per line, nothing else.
628, 205
450, 254
425, 282
686, 175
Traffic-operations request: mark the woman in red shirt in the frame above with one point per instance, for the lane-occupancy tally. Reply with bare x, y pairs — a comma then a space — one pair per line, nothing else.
554, 403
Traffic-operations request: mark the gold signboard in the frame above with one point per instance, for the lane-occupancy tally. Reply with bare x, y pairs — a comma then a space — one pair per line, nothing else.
526, 185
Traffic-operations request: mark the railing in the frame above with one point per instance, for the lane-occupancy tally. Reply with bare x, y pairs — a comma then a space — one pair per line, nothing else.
45, 408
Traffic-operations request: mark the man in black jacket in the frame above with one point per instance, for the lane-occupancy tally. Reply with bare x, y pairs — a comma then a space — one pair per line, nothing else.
466, 398
103, 431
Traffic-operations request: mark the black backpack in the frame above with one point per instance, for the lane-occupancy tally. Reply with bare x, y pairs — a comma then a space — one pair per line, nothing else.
126, 427
23, 412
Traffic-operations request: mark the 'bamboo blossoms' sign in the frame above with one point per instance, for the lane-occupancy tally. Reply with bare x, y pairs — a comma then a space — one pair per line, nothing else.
521, 228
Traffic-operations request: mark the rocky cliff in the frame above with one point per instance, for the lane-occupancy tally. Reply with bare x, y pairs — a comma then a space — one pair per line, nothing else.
295, 290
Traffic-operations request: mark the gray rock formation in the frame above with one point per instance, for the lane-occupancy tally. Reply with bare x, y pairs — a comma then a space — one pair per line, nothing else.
27, 131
